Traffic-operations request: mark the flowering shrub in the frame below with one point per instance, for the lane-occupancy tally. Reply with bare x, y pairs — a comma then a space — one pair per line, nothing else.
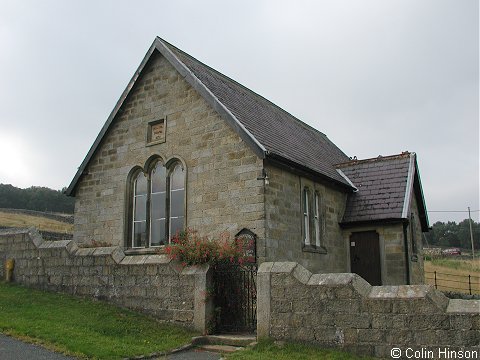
191, 249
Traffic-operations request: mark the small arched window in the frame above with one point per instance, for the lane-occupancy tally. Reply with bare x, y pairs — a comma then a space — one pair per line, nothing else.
306, 216
157, 205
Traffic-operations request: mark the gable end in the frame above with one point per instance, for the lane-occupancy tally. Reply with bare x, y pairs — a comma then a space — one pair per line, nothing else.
212, 100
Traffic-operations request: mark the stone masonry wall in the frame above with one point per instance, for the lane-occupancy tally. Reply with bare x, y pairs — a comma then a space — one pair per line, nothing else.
417, 275
284, 221
392, 253
223, 193
344, 311
148, 283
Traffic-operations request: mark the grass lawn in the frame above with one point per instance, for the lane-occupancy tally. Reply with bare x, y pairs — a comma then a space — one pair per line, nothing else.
470, 266
40, 222
289, 351
81, 327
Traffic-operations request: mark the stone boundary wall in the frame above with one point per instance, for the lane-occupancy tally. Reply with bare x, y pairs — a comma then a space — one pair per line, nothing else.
66, 218
344, 311
46, 235
152, 284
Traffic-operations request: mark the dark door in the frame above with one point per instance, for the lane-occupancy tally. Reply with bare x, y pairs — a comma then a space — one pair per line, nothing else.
365, 256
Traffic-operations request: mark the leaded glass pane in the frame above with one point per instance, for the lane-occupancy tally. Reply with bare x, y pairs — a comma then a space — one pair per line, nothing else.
139, 233
177, 203
177, 178
159, 179
140, 208
141, 184
176, 225
158, 205
157, 233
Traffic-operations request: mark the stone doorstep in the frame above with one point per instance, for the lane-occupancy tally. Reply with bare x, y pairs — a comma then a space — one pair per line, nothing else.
222, 349
237, 340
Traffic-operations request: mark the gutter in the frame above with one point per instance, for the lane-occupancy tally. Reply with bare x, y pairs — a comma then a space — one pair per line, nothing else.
304, 171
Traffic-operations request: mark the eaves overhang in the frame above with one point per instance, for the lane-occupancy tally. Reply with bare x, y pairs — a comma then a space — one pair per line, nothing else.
301, 170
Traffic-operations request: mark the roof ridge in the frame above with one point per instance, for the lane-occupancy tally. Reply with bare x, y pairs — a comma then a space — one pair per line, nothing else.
402, 155
244, 87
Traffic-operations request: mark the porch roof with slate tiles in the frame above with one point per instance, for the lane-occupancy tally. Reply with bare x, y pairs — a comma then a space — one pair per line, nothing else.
385, 186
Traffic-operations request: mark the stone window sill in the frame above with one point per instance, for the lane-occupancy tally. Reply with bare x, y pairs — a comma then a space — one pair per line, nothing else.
154, 142
314, 249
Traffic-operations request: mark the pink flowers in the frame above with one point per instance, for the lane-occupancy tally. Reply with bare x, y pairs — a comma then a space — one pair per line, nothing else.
189, 248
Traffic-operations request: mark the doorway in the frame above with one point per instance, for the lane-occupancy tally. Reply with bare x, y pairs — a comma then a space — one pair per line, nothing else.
365, 256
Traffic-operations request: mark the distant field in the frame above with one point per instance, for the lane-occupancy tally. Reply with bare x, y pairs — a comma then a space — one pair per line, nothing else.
452, 274
41, 223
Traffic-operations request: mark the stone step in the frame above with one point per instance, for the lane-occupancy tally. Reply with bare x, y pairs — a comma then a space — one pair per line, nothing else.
223, 349
227, 339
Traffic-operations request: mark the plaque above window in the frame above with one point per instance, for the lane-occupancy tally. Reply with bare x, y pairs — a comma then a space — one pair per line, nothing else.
156, 131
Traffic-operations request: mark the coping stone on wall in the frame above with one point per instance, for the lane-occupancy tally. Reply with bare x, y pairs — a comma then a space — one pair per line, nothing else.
115, 252
458, 306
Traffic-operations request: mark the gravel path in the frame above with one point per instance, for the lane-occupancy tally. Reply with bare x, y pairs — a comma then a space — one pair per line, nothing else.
11, 348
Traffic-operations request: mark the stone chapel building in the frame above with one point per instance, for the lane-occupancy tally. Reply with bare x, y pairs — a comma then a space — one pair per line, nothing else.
186, 146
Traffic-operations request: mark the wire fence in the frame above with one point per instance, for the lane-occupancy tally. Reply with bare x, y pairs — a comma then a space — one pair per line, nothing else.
469, 284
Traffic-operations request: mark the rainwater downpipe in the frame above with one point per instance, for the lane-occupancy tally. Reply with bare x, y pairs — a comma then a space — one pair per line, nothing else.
407, 259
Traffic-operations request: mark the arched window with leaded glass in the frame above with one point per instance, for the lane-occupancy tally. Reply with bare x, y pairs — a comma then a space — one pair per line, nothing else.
156, 206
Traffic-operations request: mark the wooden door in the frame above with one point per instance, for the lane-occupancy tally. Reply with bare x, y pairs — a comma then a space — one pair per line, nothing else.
365, 256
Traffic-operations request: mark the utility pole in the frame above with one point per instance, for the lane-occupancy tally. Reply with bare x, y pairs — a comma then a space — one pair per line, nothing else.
471, 233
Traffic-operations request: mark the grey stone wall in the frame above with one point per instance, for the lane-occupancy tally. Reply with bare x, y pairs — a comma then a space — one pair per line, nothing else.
417, 274
284, 221
152, 284
392, 251
344, 311
223, 193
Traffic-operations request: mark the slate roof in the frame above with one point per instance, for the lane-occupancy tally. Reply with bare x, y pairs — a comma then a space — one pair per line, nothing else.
278, 131
384, 185
269, 130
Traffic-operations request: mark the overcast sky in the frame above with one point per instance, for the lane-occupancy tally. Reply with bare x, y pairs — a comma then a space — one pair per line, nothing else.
378, 77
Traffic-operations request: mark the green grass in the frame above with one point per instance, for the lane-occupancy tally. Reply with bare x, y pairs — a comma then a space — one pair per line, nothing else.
81, 327
289, 351
40, 222
458, 264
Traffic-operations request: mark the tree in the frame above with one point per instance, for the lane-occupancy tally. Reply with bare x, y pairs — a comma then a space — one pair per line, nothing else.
451, 234
35, 198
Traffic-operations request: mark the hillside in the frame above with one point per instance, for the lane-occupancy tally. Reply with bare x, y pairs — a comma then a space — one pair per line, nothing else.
35, 198
43, 223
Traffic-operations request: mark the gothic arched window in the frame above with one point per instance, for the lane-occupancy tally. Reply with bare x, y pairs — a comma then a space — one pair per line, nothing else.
156, 205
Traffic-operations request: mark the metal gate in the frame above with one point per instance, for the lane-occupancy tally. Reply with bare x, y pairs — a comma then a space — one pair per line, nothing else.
235, 297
